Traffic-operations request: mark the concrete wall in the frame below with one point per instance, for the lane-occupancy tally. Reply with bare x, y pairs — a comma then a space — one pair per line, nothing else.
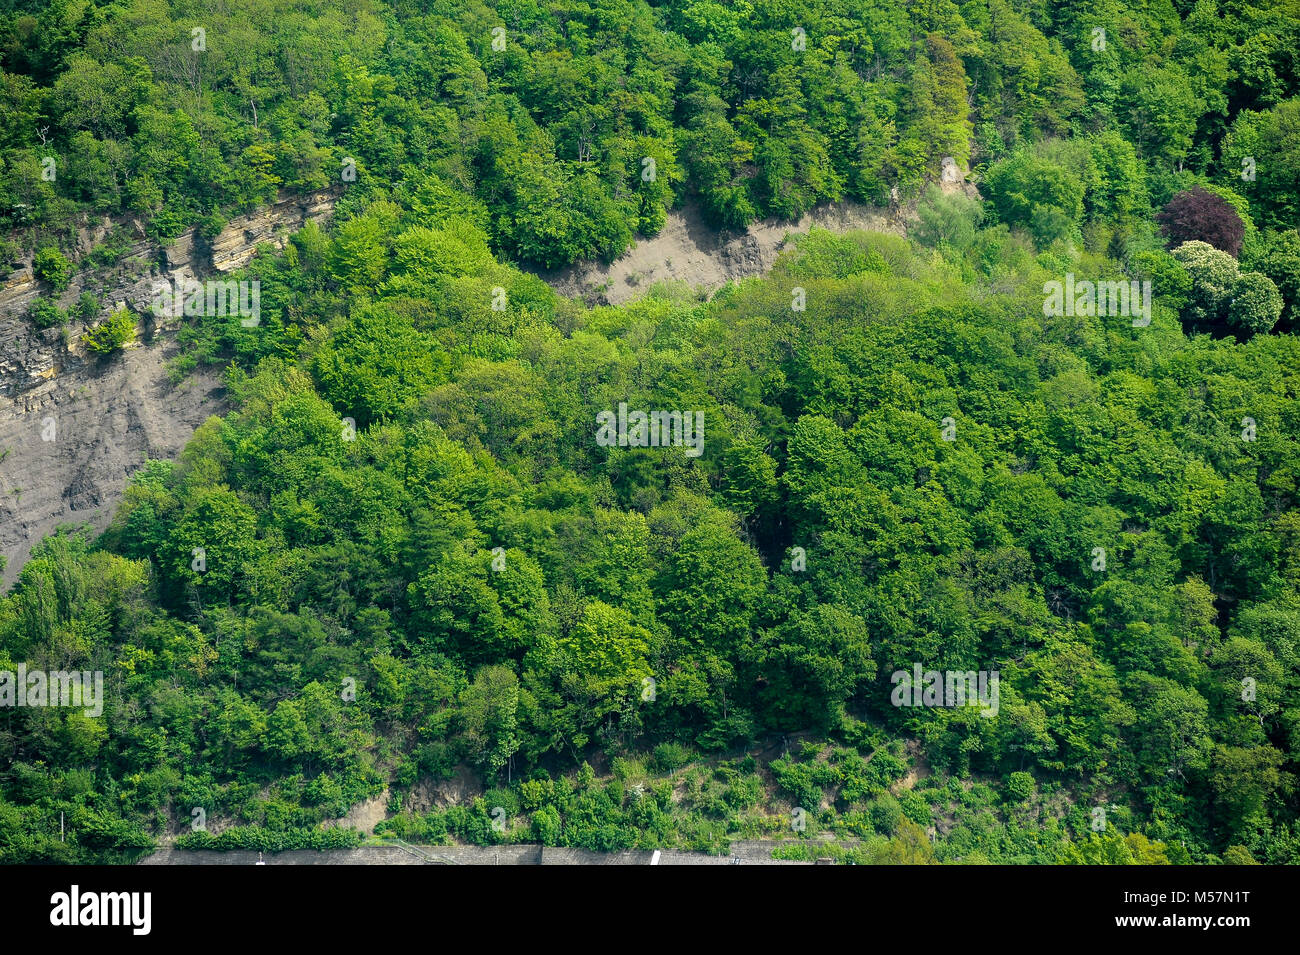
750, 853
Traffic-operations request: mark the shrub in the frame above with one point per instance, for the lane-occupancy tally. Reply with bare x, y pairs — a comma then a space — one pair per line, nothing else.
1020, 786
947, 219
745, 793
210, 226
111, 334
51, 266
886, 814
266, 840
670, 756
45, 313
547, 826
165, 225
9, 255
86, 307
915, 808
114, 246
323, 791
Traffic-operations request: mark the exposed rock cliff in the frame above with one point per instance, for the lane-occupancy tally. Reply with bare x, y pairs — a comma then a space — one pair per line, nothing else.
690, 251
74, 426
109, 415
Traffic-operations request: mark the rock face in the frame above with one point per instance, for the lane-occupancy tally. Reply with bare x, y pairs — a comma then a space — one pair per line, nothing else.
74, 426
104, 417
688, 250
240, 238
71, 445
953, 180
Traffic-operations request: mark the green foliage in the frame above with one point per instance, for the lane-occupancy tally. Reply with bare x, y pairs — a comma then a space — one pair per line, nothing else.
1277, 255
488, 711
1020, 786
86, 307
377, 364
52, 267
670, 756
297, 612
45, 313
111, 334
1222, 294
261, 840
1112, 848
1255, 304
1261, 158
1036, 195
948, 219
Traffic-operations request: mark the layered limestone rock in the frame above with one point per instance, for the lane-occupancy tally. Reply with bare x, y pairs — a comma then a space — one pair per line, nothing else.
239, 240
75, 426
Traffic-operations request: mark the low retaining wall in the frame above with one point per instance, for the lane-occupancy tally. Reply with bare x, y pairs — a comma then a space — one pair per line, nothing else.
749, 853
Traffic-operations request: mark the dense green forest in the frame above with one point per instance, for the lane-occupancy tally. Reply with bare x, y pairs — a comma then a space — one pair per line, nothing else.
406, 553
